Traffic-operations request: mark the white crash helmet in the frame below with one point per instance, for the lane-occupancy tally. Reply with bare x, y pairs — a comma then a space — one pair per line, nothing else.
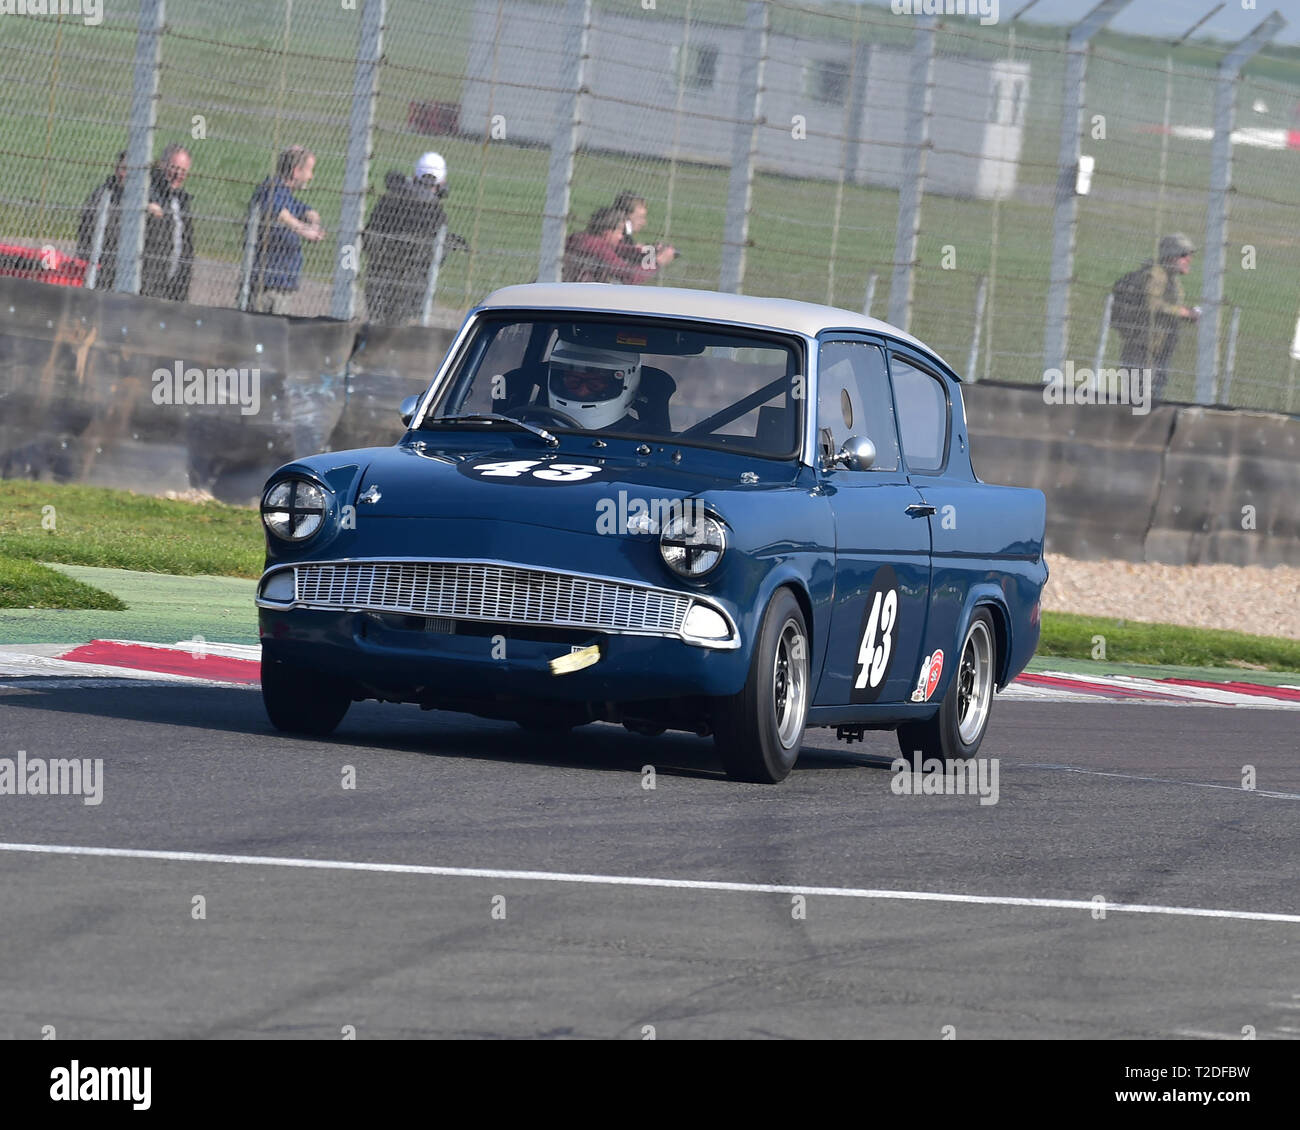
595, 387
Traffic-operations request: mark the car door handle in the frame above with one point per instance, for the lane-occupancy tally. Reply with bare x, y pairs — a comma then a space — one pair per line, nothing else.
920, 510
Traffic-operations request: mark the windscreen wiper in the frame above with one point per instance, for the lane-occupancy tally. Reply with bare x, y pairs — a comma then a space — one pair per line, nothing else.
498, 418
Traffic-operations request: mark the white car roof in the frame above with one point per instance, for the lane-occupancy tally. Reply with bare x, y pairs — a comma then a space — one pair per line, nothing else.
678, 302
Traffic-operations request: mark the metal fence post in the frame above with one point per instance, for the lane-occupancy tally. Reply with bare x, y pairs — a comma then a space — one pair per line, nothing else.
1102, 337
431, 284
139, 149
365, 91
1230, 359
870, 297
1216, 217
97, 239
1057, 334
920, 104
981, 296
857, 107
847, 146
744, 147
252, 231
559, 177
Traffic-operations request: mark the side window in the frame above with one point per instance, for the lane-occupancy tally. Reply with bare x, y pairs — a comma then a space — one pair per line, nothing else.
853, 400
922, 415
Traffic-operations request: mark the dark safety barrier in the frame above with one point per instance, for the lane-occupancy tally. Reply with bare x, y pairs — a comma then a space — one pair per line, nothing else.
1180, 484
155, 396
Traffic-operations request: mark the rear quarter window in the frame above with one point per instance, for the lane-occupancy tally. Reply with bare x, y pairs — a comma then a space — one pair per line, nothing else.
922, 404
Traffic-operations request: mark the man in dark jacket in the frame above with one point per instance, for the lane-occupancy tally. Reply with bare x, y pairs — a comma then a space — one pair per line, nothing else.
112, 188
1154, 310
400, 241
169, 229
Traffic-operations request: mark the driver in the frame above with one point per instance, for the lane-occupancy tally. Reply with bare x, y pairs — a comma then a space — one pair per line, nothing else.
597, 388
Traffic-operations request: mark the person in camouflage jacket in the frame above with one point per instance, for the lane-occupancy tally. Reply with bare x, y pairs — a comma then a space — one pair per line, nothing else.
1150, 310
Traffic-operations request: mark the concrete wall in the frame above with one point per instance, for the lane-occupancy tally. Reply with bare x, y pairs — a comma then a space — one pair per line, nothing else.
78, 403
1177, 485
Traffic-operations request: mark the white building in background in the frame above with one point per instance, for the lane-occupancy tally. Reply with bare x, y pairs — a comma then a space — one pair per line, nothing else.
516, 66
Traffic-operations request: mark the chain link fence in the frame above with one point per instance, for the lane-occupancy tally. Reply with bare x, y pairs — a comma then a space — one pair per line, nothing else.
839, 153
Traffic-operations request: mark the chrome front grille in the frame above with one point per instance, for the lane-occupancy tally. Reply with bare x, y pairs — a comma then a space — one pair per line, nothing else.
505, 594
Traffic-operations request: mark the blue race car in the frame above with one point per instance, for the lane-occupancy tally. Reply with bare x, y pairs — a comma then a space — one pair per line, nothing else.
672, 509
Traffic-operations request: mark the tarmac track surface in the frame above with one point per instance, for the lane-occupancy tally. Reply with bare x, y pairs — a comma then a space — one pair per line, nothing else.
1139, 805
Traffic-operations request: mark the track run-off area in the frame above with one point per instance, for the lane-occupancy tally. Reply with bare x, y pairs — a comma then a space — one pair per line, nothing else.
428, 874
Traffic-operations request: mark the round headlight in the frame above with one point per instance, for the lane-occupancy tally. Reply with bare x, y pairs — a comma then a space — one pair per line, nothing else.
293, 509
692, 544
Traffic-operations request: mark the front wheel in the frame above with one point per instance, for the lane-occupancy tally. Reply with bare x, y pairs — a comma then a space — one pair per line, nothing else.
758, 732
302, 702
956, 731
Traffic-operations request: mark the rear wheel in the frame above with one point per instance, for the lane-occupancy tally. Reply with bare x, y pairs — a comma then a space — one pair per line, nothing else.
302, 702
956, 731
758, 732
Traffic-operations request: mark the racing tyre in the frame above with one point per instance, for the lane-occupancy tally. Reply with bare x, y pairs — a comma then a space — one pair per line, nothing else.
957, 729
758, 732
302, 702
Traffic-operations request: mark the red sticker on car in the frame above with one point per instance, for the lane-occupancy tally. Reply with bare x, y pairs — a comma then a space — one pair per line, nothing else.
928, 679
936, 666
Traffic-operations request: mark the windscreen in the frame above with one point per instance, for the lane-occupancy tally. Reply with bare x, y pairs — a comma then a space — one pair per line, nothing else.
654, 380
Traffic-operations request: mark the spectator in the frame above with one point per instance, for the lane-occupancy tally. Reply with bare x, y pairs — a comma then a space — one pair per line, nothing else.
636, 213
284, 222
113, 186
400, 240
593, 255
1149, 310
168, 263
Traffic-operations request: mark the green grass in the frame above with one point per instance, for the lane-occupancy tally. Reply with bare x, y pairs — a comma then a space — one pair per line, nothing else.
1128, 641
116, 530
24, 584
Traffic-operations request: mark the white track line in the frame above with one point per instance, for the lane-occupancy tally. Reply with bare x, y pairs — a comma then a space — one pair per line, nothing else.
1161, 780
638, 881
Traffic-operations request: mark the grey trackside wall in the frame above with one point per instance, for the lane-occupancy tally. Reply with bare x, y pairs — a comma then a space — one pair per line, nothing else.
78, 403
77, 394
1181, 485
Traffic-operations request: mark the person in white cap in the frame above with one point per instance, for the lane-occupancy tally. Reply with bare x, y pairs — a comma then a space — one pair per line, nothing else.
400, 239
431, 169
